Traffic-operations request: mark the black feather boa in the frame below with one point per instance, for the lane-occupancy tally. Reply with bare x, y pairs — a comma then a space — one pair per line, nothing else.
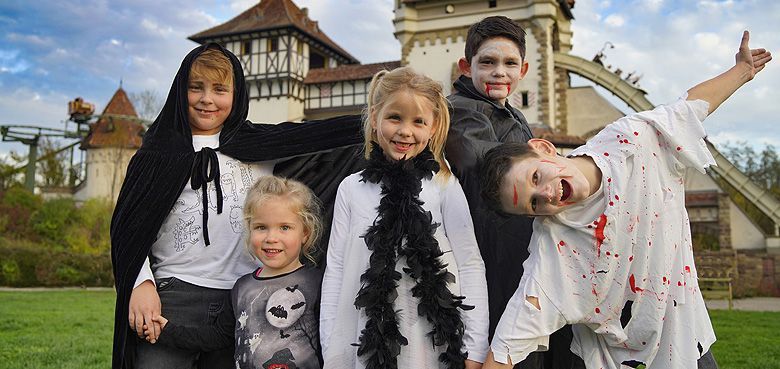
404, 228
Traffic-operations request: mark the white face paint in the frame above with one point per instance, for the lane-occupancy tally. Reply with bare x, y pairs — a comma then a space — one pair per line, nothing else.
496, 68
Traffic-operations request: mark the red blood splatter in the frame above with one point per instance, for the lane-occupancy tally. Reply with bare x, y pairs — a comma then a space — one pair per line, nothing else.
617, 197
632, 283
631, 258
679, 283
609, 180
600, 233
611, 203
598, 311
559, 245
687, 269
508, 88
583, 276
636, 133
514, 198
617, 255
487, 89
664, 279
609, 253
606, 154
679, 148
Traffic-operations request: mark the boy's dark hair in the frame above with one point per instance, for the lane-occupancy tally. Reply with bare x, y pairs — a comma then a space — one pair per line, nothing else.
495, 165
490, 27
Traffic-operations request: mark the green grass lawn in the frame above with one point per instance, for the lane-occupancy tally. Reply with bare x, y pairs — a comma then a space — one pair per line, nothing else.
73, 329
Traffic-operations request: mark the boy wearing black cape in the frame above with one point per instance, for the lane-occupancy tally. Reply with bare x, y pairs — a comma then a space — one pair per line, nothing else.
176, 238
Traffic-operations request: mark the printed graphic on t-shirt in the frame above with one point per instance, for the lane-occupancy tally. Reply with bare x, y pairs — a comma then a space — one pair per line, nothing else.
188, 209
186, 233
275, 326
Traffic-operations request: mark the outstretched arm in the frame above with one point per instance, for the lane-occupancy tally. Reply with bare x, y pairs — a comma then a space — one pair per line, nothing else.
748, 63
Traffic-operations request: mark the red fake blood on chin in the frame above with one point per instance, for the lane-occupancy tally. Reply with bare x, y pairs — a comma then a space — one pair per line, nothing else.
508, 88
514, 198
487, 89
600, 233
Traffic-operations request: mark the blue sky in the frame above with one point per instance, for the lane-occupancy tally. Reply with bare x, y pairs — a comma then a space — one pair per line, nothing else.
54, 51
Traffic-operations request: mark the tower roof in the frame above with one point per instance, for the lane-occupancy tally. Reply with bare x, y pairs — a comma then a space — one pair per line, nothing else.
269, 15
118, 125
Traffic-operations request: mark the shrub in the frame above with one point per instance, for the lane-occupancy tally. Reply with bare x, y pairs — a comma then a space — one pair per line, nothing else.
16, 207
89, 232
52, 219
24, 266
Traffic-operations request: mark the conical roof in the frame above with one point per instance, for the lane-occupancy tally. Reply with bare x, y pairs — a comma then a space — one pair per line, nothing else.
268, 15
118, 125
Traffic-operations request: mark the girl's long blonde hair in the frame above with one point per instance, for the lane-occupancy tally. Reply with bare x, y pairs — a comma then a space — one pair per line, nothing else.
300, 199
384, 84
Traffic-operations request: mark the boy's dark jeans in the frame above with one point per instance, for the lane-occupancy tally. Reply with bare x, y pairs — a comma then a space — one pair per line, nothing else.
186, 304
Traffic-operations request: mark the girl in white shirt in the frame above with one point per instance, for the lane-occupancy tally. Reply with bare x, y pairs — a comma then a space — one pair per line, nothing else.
404, 284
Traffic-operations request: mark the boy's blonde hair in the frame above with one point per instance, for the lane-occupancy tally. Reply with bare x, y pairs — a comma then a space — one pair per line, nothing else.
301, 200
385, 84
212, 65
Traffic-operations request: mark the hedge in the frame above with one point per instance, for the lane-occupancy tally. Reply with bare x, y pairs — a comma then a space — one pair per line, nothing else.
22, 266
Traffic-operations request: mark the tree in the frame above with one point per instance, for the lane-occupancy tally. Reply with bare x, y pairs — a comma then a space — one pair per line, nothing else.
147, 103
763, 167
52, 165
10, 175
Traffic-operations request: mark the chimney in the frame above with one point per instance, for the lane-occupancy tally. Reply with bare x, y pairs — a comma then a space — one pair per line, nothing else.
305, 12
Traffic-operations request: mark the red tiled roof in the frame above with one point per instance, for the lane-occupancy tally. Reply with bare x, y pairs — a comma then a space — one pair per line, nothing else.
348, 72
559, 139
112, 130
271, 14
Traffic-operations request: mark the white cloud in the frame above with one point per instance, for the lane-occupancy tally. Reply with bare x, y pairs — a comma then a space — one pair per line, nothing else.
652, 5
615, 20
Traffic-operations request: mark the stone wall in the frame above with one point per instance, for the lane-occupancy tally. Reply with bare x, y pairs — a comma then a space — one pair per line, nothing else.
756, 272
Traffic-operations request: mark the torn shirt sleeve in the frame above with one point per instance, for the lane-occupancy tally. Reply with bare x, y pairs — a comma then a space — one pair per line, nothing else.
524, 327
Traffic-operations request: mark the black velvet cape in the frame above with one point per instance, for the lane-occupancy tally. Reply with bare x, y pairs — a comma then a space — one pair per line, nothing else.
166, 162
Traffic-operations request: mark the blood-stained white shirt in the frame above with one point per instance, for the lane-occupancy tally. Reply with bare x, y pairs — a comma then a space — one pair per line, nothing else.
630, 241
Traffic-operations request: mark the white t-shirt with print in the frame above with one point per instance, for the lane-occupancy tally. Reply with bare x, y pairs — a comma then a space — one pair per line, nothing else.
180, 250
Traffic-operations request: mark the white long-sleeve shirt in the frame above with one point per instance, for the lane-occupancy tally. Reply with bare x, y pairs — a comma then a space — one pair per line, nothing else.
630, 241
348, 258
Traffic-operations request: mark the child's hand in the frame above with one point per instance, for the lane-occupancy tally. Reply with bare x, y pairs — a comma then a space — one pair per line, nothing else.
159, 322
755, 60
470, 364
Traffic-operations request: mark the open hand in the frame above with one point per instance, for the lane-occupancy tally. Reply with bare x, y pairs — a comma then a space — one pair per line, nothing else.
754, 59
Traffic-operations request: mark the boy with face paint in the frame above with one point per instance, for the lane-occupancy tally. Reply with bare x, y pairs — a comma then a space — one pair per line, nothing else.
611, 251
482, 118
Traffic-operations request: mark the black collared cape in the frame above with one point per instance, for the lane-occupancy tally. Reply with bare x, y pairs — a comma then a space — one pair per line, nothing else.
166, 162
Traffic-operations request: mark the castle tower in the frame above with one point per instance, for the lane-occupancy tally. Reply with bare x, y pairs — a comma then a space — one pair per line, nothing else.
277, 44
110, 144
433, 32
